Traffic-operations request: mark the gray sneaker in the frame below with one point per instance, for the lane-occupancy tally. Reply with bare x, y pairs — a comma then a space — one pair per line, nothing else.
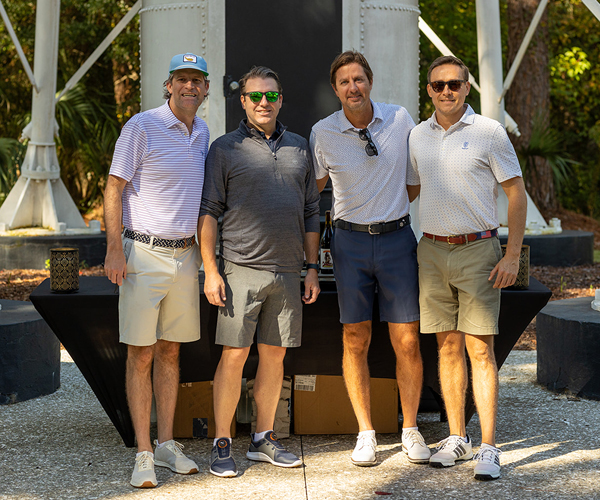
170, 455
268, 449
143, 472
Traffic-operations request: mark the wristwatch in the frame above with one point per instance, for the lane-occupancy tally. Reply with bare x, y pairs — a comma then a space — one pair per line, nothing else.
313, 266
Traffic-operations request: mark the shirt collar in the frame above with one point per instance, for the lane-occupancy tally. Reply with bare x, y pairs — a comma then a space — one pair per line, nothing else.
345, 124
467, 118
279, 129
166, 114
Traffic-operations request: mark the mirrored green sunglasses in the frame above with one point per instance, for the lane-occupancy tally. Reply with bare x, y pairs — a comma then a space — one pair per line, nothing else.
257, 96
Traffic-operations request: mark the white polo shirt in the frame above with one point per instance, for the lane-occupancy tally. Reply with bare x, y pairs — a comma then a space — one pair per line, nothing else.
163, 165
459, 170
366, 188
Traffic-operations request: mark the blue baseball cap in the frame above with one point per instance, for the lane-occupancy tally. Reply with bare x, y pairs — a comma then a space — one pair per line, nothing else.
188, 61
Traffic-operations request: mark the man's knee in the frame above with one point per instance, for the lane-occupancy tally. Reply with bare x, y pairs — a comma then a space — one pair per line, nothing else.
232, 357
481, 350
357, 338
140, 358
271, 353
451, 345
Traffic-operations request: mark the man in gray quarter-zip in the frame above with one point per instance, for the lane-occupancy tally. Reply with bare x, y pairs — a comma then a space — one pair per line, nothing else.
260, 179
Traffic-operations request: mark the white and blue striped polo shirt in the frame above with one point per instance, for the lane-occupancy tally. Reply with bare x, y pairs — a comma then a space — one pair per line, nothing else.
164, 167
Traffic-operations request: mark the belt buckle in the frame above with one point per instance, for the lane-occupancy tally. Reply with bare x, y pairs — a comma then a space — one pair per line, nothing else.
452, 236
375, 224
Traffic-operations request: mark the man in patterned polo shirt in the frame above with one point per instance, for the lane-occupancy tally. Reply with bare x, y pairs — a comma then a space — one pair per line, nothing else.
154, 190
364, 149
460, 158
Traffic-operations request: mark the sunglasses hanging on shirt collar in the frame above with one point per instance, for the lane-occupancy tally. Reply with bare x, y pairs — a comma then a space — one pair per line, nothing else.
370, 147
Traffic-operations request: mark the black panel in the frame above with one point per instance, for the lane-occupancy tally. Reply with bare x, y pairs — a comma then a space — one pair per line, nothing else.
298, 40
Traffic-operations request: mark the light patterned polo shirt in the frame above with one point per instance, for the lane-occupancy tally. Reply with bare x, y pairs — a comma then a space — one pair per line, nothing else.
163, 165
460, 169
366, 189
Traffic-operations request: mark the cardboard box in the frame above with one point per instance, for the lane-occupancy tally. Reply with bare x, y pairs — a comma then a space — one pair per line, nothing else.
322, 406
194, 414
282, 424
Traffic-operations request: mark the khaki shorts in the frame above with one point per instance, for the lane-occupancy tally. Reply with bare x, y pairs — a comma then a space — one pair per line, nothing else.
264, 302
160, 298
455, 293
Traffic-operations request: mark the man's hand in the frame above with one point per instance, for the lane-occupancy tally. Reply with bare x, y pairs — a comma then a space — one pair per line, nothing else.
214, 289
311, 286
507, 270
115, 266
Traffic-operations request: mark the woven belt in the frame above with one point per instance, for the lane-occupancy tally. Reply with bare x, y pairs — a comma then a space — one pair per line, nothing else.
374, 228
459, 239
159, 242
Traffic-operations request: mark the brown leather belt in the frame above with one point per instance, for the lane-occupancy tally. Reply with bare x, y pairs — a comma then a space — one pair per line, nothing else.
460, 239
159, 242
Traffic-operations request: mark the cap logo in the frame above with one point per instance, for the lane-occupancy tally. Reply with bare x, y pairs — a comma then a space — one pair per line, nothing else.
191, 58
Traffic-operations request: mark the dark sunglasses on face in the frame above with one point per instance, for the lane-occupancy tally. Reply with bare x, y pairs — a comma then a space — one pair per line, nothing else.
453, 85
257, 96
370, 147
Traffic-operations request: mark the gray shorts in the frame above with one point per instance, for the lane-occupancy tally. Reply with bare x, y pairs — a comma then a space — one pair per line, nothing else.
265, 302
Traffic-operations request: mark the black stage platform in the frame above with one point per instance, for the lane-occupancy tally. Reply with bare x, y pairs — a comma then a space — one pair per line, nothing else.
569, 248
86, 323
568, 347
31, 252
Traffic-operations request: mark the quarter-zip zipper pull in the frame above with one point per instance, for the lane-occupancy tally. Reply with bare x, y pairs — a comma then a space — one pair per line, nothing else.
274, 155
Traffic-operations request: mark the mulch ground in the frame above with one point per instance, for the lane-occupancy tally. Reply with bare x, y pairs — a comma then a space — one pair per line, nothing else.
565, 282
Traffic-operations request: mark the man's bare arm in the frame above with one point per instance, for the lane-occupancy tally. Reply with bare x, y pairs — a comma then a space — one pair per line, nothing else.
321, 183
508, 267
311, 280
214, 286
115, 266
413, 191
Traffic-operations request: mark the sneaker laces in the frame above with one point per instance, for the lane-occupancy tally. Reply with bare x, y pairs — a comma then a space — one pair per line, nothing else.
449, 443
144, 461
413, 437
176, 448
487, 455
365, 440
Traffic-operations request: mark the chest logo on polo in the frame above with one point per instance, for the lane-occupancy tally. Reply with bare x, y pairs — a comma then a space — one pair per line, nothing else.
465, 145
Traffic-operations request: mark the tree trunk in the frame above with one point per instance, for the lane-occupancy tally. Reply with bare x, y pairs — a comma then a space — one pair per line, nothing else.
529, 95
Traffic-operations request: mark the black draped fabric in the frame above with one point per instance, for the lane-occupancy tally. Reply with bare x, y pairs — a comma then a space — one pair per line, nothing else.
86, 322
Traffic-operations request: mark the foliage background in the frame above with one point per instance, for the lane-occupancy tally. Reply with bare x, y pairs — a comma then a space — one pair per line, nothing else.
574, 50
90, 116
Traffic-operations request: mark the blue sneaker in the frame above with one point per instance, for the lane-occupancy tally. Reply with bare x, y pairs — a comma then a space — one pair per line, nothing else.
222, 463
268, 449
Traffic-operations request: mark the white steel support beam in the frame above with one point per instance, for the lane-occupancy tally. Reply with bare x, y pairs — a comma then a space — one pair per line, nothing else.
15, 40
489, 48
594, 7
39, 198
101, 48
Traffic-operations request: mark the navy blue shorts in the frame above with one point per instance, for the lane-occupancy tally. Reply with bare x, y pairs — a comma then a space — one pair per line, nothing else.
363, 262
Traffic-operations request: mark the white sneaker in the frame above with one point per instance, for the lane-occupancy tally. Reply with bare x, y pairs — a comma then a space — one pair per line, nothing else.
450, 450
170, 455
488, 463
143, 472
415, 448
364, 451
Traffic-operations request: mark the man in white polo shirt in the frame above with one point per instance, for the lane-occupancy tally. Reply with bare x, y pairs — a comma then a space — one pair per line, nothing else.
460, 157
363, 149
154, 190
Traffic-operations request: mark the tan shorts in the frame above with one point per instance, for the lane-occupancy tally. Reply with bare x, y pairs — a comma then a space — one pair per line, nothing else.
454, 291
160, 298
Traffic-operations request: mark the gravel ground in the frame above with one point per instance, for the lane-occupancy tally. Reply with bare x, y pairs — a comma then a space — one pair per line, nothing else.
63, 446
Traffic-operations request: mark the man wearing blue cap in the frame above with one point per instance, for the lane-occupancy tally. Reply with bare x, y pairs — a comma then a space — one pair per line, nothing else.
153, 190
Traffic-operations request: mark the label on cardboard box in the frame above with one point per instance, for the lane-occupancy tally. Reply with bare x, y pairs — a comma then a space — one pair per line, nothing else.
305, 383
